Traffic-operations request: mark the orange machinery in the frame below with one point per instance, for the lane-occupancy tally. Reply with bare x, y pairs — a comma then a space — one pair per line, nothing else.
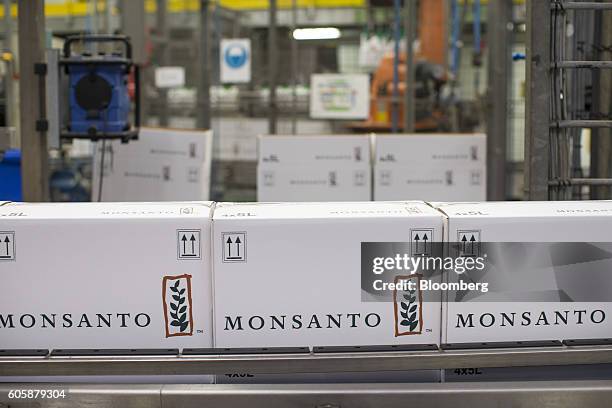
430, 63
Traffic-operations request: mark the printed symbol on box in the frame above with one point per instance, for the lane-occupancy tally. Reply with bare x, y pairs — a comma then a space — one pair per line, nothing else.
449, 177
474, 152
469, 243
420, 241
360, 178
178, 307
234, 246
333, 179
188, 244
268, 178
7, 246
408, 306
475, 177
193, 174
385, 178
166, 173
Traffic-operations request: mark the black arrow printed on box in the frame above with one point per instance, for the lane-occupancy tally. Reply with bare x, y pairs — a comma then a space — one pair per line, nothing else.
238, 245
192, 239
229, 246
6, 242
472, 243
184, 239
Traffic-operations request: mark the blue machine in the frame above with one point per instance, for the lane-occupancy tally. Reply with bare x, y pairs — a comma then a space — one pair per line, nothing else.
10, 176
98, 98
99, 102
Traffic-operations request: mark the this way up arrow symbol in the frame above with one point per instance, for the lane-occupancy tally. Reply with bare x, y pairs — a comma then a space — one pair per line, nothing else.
184, 239
238, 245
6, 243
229, 246
192, 239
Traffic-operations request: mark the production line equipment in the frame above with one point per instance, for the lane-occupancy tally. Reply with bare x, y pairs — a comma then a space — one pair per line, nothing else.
89, 94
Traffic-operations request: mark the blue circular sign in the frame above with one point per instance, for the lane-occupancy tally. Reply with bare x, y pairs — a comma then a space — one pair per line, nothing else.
236, 56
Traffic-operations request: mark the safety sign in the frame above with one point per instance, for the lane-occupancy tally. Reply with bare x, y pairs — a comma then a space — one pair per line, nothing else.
235, 56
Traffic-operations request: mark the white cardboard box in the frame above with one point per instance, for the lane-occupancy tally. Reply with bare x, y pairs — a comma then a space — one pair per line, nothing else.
526, 243
315, 150
162, 165
540, 256
431, 167
289, 274
100, 276
236, 138
313, 183
314, 168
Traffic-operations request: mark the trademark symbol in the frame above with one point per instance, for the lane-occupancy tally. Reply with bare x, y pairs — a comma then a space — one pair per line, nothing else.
428, 330
200, 331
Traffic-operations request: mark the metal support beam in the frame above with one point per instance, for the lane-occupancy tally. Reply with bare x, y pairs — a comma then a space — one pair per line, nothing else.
499, 78
294, 68
34, 169
558, 394
537, 110
205, 73
395, 102
410, 28
133, 25
8, 83
304, 363
164, 57
272, 68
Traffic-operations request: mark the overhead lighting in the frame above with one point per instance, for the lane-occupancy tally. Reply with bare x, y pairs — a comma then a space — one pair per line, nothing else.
319, 33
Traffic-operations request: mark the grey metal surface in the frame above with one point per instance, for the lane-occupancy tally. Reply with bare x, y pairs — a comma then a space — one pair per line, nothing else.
499, 80
583, 123
8, 84
272, 68
116, 395
161, 42
53, 98
341, 362
583, 64
537, 109
34, 154
582, 181
410, 28
205, 72
558, 394
586, 5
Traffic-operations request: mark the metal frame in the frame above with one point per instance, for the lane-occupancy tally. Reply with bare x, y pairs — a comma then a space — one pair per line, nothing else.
304, 363
552, 139
500, 40
561, 394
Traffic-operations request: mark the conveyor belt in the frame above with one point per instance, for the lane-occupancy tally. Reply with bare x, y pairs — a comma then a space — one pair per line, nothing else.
304, 363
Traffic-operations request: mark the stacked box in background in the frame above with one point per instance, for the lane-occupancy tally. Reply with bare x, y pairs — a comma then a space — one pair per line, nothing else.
106, 276
314, 168
430, 167
548, 269
162, 165
289, 274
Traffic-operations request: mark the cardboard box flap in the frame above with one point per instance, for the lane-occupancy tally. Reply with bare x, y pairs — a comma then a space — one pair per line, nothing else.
106, 210
323, 210
527, 209
462, 148
314, 149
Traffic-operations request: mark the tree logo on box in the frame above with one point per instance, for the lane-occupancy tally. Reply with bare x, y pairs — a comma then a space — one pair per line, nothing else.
176, 295
408, 307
